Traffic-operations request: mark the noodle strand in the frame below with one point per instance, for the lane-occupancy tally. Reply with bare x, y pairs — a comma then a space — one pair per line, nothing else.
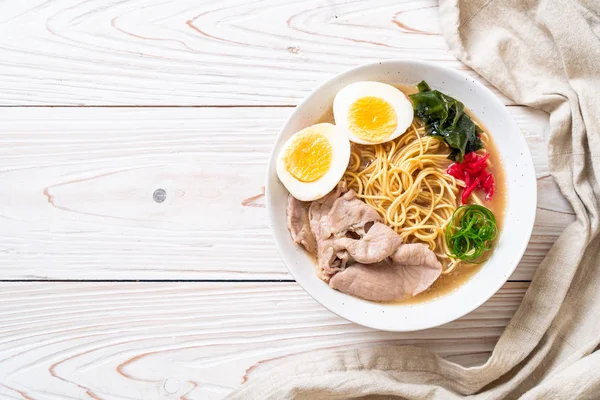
405, 180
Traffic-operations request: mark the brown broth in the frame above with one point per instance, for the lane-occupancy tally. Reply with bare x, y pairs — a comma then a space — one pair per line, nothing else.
448, 283
497, 204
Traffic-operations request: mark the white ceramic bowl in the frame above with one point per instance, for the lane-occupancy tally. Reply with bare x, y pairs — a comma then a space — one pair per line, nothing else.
518, 219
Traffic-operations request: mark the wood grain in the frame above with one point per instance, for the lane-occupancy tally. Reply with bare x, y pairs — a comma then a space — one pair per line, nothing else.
79, 188
190, 340
79, 182
190, 52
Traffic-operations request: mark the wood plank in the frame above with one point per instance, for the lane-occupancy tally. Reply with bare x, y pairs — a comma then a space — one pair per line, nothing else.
190, 340
190, 52
79, 182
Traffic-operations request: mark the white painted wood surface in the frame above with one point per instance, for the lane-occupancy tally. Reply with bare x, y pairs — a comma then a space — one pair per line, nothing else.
190, 340
188, 97
201, 52
81, 182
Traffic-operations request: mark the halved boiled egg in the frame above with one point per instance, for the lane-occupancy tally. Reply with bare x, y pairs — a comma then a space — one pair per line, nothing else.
312, 161
372, 112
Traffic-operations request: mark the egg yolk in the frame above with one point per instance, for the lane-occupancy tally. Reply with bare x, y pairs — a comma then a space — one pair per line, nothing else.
308, 158
372, 119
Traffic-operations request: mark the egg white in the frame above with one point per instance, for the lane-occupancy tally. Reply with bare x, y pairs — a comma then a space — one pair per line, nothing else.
340, 156
348, 95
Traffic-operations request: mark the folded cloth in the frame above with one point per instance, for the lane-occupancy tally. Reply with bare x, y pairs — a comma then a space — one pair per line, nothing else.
544, 54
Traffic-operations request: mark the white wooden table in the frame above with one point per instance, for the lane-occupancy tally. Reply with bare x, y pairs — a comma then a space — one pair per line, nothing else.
107, 293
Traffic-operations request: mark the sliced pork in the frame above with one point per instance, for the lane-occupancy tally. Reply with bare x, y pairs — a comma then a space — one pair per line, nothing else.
299, 225
332, 219
378, 243
349, 213
412, 269
356, 253
328, 261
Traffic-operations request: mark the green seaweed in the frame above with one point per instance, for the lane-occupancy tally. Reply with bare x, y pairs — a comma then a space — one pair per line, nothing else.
445, 117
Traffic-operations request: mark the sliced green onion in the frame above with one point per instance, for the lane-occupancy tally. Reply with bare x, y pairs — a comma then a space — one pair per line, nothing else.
471, 233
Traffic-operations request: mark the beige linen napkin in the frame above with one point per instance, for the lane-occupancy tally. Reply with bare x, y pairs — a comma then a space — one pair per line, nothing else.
544, 54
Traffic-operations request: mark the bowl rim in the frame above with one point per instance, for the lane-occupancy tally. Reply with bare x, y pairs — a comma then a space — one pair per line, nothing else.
271, 210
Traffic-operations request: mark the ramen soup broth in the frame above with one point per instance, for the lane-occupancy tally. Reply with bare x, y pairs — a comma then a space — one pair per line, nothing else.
449, 282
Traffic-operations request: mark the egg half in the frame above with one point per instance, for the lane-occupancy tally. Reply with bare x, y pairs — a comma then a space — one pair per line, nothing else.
312, 161
372, 112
